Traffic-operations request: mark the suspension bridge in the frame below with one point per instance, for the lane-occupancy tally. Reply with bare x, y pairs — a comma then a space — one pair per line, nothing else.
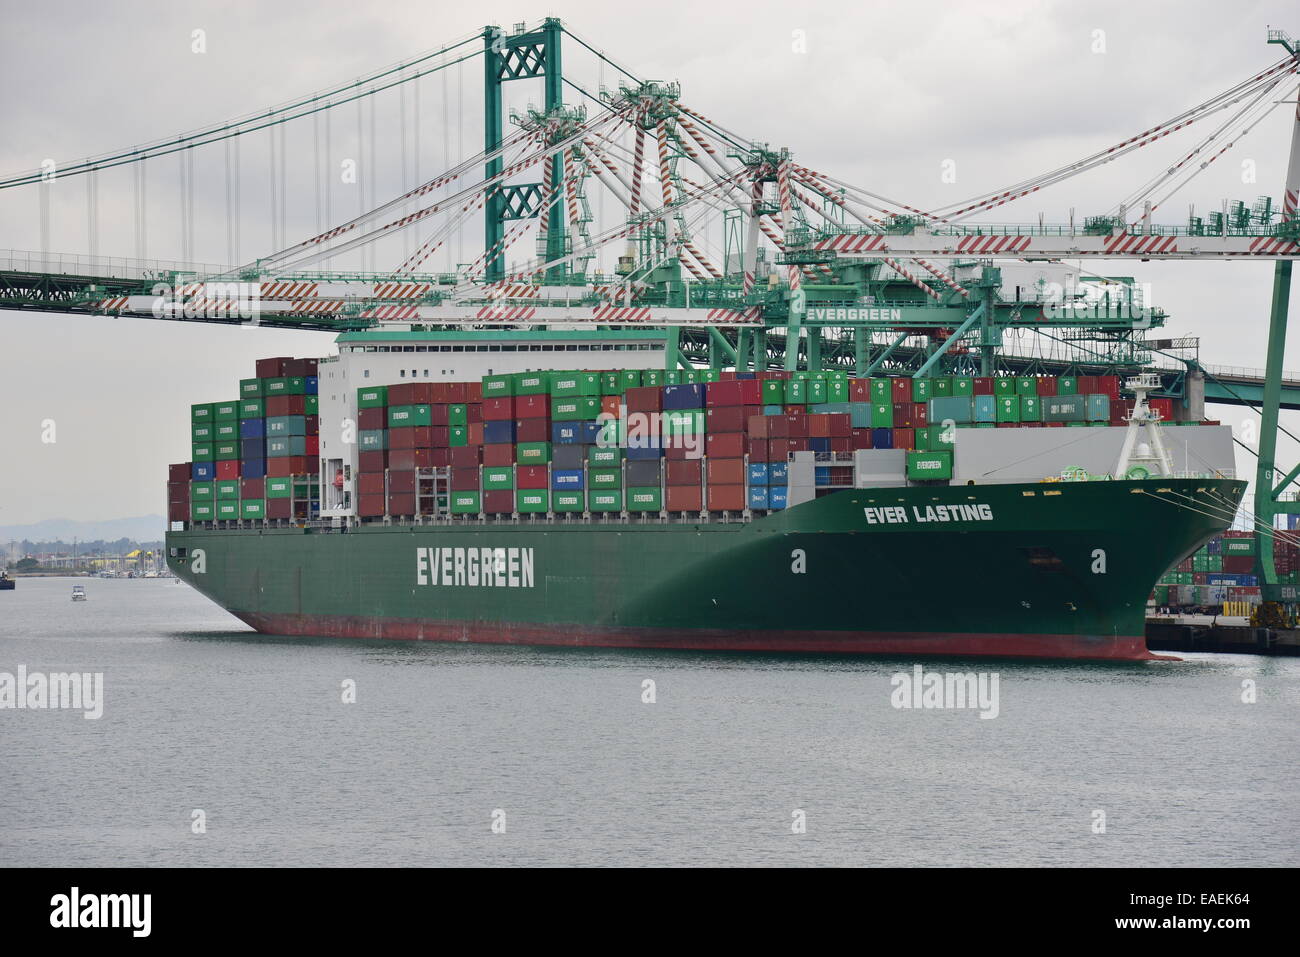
616, 202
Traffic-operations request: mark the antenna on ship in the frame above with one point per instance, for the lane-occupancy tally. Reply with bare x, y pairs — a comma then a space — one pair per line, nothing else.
1148, 457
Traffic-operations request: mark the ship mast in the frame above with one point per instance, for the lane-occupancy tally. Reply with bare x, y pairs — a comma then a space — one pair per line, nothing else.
1150, 457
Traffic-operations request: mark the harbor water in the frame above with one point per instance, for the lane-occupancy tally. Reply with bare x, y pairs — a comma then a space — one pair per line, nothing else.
219, 747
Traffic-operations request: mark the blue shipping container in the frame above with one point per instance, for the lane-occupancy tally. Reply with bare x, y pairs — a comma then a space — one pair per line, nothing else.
684, 396
776, 497
649, 452
773, 409
758, 473
884, 438
252, 449
252, 428
1098, 408
758, 496
499, 432
778, 473
984, 409
310, 385
566, 433
203, 471
819, 445
252, 468
567, 479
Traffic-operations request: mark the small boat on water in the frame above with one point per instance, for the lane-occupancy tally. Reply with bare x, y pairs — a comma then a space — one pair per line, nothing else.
78, 592
6, 583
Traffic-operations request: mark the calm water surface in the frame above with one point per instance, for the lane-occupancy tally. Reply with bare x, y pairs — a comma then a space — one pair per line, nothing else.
201, 713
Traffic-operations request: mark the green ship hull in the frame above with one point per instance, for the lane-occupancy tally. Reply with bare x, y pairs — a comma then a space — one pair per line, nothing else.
1044, 570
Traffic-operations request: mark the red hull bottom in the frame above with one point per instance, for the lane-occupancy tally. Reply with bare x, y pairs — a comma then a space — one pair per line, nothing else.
1079, 647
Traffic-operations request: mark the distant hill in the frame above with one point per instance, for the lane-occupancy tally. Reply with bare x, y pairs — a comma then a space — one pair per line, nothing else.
148, 528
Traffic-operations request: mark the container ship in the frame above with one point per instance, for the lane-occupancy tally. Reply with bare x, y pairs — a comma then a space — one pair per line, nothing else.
565, 488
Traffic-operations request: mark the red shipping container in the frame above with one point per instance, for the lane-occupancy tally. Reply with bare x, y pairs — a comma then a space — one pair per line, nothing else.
609, 404
280, 508
735, 392
533, 407
401, 503
983, 385
370, 483
861, 438
797, 425
292, 465
1108, 385
409, 437
725, 471
371, 461
1086, 385
438, 414
498, 409
648, 398
227, 469
920, 415
368, 506
498, 501
726, 498
457, 392
1165, 407
465, 456
178, 491
901, 389
272, 368
841, 424
178, 511
904, 439
370, 420
286, 405
1047, 385
902, 415
725, 418
726, 445
473, 392
475, 433
252, 488
401, 480
1054, 425
313, 424
819, 426
859, 390
179, 473
768, 426
473, 413
1239, 564
841, 443
533, 430
465, 479
400, 394
311, 446
758, 449
685, 498
410, 459
498, 455
293, 367
530, 476
684, 473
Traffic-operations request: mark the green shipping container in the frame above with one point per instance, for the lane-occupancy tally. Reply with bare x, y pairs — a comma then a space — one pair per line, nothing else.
1004, 385
882, 415
922, 391
568, 501
457, 414
773, 392
227, 511
628, 379
202, 511
252, 508
466, 503
959, 409
203, 491
279, 487
644, 499
532, 383
1008, 408
250, 388
226, 431
941, 388
929, 465
673, 377
654, 377
532, 500
223, 451
498, 386
369, 440
1031, 409
372, 397
598, 456
311, 405
533, 453
458, 437
1239, 546
498, 477
605, 478
796, 392
605, 501
1026, 385
295, 385
1067, 385
963, 385
610, 384
881, 391
201, 433
1064, 408
575, 409
404, 416
572, 384
837, 390
254, 408
201, 452
201, 412
816, 394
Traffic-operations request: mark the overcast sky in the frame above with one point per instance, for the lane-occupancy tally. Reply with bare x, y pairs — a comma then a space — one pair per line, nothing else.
880, 95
